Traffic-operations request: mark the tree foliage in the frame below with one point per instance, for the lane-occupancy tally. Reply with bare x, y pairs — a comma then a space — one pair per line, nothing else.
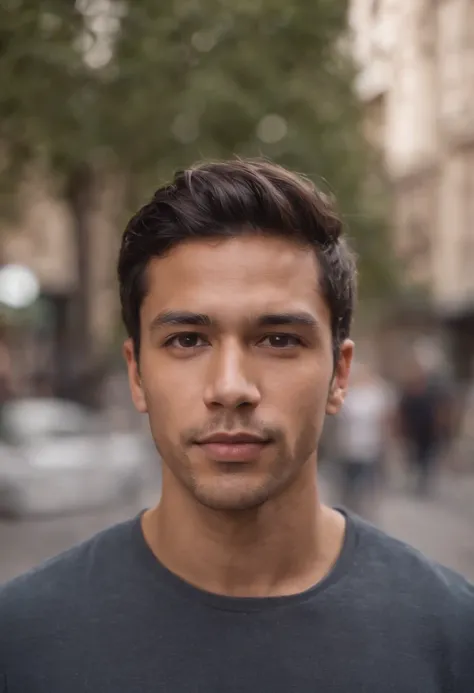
147, 87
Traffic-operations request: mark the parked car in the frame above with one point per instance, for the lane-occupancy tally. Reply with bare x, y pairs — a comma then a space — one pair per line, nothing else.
56, 457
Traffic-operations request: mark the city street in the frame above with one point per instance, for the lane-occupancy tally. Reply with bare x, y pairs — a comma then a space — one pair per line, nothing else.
442, 527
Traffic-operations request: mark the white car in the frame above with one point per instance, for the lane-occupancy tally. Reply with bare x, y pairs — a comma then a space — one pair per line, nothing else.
54, 458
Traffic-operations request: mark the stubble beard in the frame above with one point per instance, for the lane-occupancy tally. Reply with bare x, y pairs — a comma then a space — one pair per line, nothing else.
237, 487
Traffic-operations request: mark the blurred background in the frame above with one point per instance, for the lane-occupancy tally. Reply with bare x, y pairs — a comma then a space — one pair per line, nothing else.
100, 101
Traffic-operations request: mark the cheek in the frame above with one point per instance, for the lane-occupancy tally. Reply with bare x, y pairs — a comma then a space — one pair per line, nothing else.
301, 394
171, 396
163, 417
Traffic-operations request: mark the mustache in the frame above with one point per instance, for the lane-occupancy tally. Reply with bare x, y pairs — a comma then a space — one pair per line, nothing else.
229, 425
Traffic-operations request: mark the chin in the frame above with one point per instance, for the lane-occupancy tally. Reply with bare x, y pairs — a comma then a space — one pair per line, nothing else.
232, 497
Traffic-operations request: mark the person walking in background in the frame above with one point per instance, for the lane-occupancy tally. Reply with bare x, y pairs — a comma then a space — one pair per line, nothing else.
363, 436
422, 421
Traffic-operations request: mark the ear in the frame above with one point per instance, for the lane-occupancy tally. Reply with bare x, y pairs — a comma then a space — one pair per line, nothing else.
134, 379
338, 389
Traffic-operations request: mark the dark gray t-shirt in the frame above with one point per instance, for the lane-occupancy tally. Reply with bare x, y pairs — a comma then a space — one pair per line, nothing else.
107, 617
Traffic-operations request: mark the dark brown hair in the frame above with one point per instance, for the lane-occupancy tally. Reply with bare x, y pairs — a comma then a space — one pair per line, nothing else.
225, 199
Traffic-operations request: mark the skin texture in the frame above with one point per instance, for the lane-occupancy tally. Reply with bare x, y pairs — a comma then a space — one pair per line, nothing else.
239, 372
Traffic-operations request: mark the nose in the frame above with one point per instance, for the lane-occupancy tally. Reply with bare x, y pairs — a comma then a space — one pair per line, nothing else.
229, 384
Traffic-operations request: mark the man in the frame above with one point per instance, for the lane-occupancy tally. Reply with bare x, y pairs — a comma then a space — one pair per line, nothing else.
237, 291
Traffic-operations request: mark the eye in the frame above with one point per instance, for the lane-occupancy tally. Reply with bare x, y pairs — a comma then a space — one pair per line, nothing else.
281, 341
185, 340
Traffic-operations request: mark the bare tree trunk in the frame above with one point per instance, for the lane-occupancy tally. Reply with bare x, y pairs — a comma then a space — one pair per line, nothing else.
80, 195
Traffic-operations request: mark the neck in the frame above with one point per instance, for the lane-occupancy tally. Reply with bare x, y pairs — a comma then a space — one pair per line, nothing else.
283, 547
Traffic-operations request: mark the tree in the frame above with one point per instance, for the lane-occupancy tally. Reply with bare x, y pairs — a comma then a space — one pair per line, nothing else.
145, 88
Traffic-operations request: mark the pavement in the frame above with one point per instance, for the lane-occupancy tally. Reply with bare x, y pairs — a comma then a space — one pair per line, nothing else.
442, 526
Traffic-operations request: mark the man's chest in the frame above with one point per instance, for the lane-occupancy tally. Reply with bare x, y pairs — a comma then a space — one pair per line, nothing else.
184, 657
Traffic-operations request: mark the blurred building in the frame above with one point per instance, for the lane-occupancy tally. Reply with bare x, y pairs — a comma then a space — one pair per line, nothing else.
416, 79
51, 345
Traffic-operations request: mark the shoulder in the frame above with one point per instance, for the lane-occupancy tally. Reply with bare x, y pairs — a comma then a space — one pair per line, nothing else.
410, 569
426, 594
43, 601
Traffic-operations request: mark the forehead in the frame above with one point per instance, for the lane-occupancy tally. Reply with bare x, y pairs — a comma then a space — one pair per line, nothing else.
236, 275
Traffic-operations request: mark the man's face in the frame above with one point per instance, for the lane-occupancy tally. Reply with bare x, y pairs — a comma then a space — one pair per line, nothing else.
236, 367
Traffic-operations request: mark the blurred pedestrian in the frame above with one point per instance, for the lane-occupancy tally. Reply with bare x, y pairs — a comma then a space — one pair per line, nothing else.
422, 424
237, 291
363, 436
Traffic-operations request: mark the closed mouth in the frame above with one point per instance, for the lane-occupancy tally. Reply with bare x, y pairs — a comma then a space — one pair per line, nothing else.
233, 439
233, 447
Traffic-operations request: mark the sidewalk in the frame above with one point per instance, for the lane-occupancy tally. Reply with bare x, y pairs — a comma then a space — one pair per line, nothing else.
456, 490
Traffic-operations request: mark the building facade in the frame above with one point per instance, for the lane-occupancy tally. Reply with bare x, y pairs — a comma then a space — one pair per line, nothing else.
416, 79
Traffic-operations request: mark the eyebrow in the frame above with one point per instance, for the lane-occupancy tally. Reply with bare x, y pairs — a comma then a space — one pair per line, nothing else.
180, 317
202, 320
275, 319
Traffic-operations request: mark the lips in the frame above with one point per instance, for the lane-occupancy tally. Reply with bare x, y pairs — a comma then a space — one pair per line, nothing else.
240, 447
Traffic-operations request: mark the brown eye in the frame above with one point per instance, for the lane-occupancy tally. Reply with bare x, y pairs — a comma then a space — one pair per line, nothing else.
281, 341
185, 340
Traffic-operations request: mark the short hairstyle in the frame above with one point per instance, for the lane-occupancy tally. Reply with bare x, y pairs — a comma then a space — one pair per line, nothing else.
229, 198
